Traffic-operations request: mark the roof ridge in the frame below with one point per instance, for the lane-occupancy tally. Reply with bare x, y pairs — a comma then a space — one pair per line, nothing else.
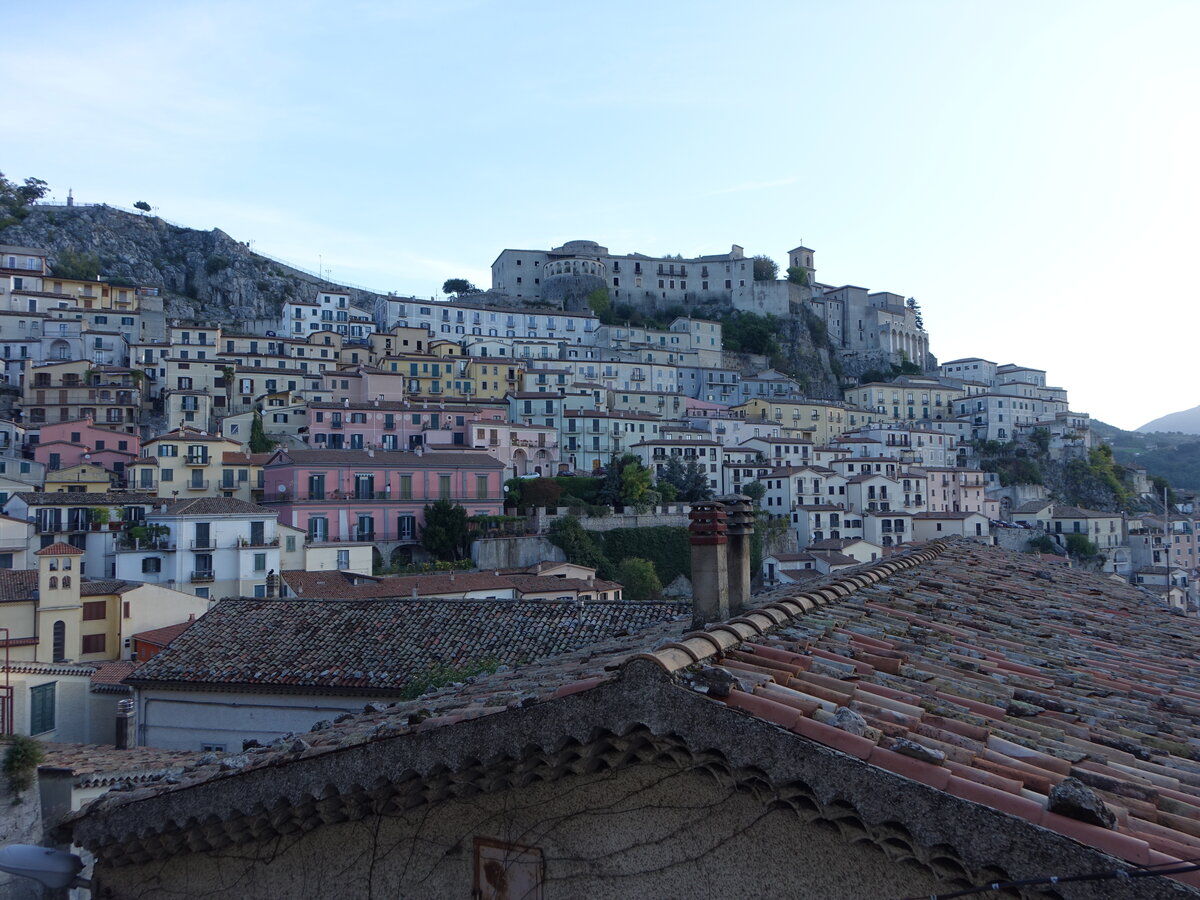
715, 639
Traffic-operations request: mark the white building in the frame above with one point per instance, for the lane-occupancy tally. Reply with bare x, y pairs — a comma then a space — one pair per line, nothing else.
331, 311
212, 547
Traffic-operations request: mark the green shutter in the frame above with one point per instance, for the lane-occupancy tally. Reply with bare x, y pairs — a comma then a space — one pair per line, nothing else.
41, 708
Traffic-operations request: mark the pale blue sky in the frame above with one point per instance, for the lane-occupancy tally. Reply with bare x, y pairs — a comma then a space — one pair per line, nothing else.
1026, 170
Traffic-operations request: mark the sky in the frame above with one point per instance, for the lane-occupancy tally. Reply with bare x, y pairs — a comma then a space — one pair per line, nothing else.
1025, 170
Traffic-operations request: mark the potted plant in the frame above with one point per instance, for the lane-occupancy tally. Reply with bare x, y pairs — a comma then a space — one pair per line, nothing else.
118, 517
100, 517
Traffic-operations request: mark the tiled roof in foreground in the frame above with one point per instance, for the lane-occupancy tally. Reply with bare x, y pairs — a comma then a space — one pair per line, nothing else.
381, 644
966, 683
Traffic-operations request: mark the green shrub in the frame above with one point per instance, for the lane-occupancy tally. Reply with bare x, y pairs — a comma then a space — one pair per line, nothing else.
21, 759
1043, 543
639, 580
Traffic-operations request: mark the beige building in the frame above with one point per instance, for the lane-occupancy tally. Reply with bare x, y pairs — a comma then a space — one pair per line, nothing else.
182, 464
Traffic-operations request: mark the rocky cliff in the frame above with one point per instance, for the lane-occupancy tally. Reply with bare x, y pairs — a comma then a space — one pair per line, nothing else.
203, 275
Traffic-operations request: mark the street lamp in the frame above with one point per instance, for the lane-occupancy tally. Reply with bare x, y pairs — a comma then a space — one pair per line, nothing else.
56, 869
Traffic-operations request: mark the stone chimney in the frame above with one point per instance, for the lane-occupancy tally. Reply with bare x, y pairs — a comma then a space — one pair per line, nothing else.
126, 739
739, 526
710, 564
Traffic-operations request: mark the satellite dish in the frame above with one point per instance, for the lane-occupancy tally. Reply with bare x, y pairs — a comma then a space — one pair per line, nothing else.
282, 488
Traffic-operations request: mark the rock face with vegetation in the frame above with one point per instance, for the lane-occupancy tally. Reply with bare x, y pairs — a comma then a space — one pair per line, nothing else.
203, 275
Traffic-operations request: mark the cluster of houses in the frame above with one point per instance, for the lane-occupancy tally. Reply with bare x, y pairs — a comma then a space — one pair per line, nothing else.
134, 499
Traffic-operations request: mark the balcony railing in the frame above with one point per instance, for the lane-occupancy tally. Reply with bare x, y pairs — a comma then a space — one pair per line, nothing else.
197, 459
263, 542
202, 576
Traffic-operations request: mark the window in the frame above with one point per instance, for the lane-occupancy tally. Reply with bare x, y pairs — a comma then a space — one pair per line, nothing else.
59, 648
151, 565
290, 543
95, 610
41, 706
343, 559
481, 487
444, 486
93, 643
260, 562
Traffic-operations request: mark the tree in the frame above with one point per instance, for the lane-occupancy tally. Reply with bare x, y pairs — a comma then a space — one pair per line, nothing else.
765, 268
673, 473
570, 536
797, 275
600, 303
1043, 543
80, 265
916, 308
695, 483
639, 581
142, 205
458, 286
636, 486
259, 442
1078, 545
540, 492
445, 531
15, 199
755, 491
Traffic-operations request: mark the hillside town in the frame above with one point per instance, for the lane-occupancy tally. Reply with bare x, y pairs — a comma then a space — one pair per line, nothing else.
218, 542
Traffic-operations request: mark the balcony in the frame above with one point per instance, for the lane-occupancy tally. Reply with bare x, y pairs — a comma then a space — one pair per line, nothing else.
197, 485
203, 544
264, 542
336, 426
200, 459
201, 576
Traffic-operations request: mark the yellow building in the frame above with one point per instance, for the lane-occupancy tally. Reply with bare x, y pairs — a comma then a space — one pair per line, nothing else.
399, 340
85, 477
94, 294
75, 389
818, 421
901, 401
183, 464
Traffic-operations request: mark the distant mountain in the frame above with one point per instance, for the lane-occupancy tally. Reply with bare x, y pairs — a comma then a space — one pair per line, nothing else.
1186, 422
1176, 457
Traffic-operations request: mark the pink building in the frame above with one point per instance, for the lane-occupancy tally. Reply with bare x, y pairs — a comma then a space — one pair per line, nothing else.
64, 444
377, 495
524, 449
393, 424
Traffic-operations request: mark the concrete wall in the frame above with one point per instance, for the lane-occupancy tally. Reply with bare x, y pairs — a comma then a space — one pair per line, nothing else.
675, 514
644, 831
514, 552
188, 720
20, 823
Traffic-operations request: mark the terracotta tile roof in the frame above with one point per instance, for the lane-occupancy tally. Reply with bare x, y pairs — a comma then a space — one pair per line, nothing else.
237, 457
99, 587
96, 765
344, 586
213, 506
17, 584
380, 645
471, 459
59, 548
163, 636
108, 677
957, 672
79, 498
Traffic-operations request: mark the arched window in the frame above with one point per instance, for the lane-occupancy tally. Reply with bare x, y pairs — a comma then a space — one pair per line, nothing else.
53, 582
66, 581
59, 648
